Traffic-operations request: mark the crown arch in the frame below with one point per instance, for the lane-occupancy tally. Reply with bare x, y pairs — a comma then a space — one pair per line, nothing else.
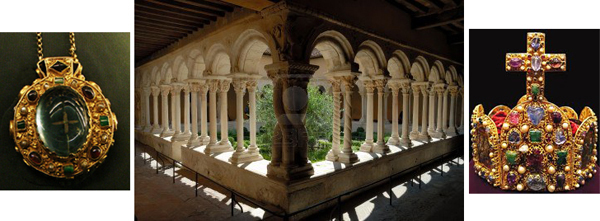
249, 49
335, 48
398, 66
437, 73
218, 60
419, 69
370, 58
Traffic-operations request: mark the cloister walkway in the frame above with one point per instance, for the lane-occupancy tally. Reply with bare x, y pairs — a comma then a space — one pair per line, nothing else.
158, 198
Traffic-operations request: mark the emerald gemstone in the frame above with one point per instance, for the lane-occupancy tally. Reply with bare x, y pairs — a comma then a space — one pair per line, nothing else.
21, 125
59, 80
104, 121
562, 157
68, 169
535, 89
535, 136
511, 157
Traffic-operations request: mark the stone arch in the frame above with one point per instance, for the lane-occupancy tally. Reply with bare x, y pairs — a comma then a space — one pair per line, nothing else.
196, 62
436, 75
370, 58
335, 48
453, 73
146, 80
460, 80
420, 69
218, 60
176, 65
166, 74
156, 76
249, 47
399, 65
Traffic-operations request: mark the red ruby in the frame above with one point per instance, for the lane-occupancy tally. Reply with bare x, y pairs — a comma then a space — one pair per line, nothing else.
35, 158
95, 152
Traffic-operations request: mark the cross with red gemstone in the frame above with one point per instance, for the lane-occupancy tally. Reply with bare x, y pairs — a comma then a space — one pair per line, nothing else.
535, 62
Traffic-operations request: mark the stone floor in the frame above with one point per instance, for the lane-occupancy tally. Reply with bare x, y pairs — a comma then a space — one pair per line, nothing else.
158, 198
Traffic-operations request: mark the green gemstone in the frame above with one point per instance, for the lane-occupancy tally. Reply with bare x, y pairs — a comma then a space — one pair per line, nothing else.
535, 136
21, 125
104, 121
511, 157
535, 89
59, 80
68, 169
562, 157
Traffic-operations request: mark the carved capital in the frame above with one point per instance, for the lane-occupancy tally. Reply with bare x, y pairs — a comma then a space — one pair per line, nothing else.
224, 85
251, 85
213, 85
240, 86
335, 86
155, 91
369, 86
380, 84
165, 89
405, 87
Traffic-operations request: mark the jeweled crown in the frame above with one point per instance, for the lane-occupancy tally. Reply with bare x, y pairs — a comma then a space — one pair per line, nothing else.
537, 145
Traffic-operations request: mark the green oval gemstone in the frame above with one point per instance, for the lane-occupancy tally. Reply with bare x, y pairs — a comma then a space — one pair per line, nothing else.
62, 120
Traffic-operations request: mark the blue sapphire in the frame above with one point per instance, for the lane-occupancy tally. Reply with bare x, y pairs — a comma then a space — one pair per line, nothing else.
535, 114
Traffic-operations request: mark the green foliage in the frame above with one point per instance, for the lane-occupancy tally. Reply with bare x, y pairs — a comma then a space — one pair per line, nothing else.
311, 142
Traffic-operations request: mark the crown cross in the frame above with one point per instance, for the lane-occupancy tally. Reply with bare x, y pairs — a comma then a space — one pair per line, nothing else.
535, 62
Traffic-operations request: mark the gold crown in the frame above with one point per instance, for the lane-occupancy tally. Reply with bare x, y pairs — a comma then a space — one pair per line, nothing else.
536, 146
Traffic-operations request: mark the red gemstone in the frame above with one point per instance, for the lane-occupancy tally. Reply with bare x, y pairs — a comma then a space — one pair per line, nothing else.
534, 160
35, 158
556, 118
513, 118
555, 63
88, 92
95, 152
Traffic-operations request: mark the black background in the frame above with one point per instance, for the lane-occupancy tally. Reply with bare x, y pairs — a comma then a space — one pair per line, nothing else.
105, 60
490, 84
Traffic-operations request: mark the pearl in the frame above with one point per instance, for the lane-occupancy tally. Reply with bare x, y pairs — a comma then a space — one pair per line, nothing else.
524, 148
541, 78
505, 126
491, 154
567, 168
551, 108
528, 78
520, 108
521, 170
589, 175
519, 187
504, 145
485, 123
551, 188
549, 148
551, 170
565, 125
24, 110
549, 128
506, 168
577, 185
524, 128
578, 171
567, 187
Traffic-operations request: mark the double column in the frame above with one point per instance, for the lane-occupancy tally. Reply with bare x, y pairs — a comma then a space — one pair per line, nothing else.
166, 130
381, 146
346, 155
394, 86
220, 85
367, 145
181, 135
241, 155
405, 85
195, 85
440, 88
451, 128
424, 135
416, 91
146, 108
155, 92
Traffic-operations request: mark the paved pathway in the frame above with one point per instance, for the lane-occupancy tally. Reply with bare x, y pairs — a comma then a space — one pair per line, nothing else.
157, 198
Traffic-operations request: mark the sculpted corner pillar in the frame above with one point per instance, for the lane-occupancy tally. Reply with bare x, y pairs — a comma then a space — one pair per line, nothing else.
289, 159
155, 92
381, 146
451, 129
165, 90
394, 86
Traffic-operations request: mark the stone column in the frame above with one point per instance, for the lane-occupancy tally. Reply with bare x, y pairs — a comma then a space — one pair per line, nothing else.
381, 146
165, 90
445, 111
186, 113
334, 153
194, 138
146, 107
346, 155
367, 146
462, 111
363, 108
204, 138
239, 85
289, 159
223, 89
155, 92
213, 146
414, 134
179, 135
394, 87
405, 140
451, 129
432, 111
439, 132
424, 135
252, 151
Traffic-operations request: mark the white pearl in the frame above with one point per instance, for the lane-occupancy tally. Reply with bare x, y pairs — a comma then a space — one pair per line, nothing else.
551, 170
521, 170
549, 148
519, 187
506, 168
551, 188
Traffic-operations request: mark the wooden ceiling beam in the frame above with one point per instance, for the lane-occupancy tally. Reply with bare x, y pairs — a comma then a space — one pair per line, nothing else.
150, 20
173, 14
436, 20
188, 7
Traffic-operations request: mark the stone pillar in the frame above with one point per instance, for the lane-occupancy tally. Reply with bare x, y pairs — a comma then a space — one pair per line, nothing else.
290, 100
367, 146
445, 111
405, 140
194, 138
146, 107
394, 87
239, 85
414, 133
424, 135
462, 111
176, 96
363, 108
165, 90
432, 111
186, 113
346, 155
334, 153
253, 153
451, 129
155, 92
204, 138
223, 89
439, 132
381, 146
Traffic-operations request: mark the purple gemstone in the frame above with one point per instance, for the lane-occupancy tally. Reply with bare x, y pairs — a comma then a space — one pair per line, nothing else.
560, 180
511, 178
515, 62
534, 160
514, 137
556, 117
535, 43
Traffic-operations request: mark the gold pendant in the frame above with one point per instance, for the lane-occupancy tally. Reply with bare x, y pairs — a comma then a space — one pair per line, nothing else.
63, 125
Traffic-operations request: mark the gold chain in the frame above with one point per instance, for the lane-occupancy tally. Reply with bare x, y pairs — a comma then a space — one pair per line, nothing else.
71, 50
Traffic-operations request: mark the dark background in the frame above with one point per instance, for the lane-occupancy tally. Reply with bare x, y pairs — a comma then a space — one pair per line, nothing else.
105, 60
491, 85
